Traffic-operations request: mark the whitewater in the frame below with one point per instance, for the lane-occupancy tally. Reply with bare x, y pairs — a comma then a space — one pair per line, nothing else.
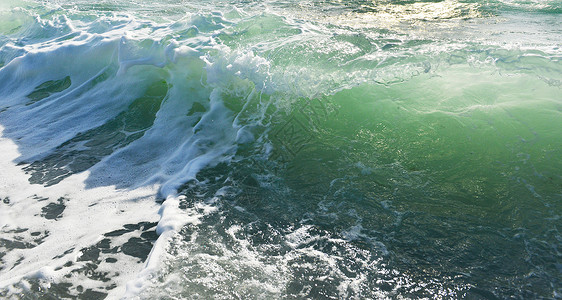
280, 149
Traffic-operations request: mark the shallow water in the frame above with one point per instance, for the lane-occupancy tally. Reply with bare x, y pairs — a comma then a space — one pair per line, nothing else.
280, 150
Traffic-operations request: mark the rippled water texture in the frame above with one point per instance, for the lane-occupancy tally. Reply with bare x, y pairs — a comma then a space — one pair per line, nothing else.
280, 150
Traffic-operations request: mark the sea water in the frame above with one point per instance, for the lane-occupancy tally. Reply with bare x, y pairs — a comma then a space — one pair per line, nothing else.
280, 149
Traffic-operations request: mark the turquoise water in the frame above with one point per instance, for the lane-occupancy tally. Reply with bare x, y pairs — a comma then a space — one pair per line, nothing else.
281, 150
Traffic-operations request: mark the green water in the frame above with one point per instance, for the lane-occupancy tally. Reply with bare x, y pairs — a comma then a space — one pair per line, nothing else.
446, 185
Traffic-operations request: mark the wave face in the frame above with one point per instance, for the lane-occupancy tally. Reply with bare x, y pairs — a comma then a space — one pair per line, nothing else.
280, 150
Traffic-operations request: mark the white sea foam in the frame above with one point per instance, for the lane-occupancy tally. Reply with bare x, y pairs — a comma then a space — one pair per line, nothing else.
122, 187
88, 214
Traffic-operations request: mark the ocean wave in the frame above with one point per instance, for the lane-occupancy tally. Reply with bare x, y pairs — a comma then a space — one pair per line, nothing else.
321, 155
